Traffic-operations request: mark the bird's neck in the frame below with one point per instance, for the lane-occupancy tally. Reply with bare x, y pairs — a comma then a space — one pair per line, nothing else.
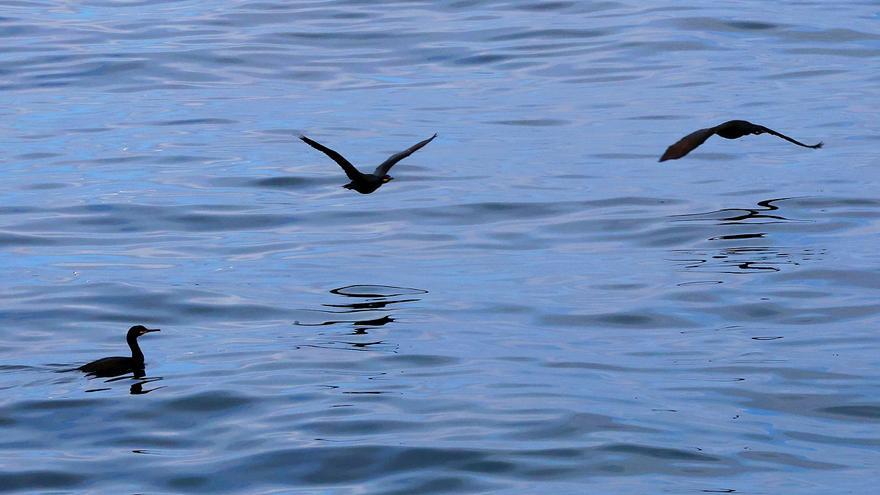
136, 354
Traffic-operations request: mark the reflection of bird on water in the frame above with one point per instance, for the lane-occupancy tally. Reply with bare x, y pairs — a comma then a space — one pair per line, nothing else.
361, 182
138, 387
745, 259
376, 322
118, 365
747, 240
732, 129
367, 306
377, 297
746, 216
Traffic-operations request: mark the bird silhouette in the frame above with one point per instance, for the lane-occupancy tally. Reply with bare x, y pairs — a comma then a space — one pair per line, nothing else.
119, 365
361, 182
732, 129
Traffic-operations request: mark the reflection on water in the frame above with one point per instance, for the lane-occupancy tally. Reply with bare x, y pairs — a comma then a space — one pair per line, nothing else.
138, 387
366, 298
377, 291
743, 259
734, 216
746, 259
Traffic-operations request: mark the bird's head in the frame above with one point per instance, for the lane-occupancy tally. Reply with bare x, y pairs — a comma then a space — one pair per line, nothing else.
138, 330
387, 178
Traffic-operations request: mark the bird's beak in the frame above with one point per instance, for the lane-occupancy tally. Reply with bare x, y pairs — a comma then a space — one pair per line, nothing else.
387, 179
152, 330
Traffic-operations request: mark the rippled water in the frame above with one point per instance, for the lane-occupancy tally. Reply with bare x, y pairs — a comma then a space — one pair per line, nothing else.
533, 305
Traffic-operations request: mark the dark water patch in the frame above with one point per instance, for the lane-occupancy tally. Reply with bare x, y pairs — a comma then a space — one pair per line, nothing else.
40, 480
661, 453
787, 460
711, 24
642, 319
792, 374
56, 406
546, 6
752, 25
866, 279
7, 239
37, 156
623, 156
285, 182
117, 302
419, 361
569, 427
858, 53
830, 36
484, 59
174, 159
803, 74
208, 402
532, 122
656, 117
833, 440
109, 217
812, 404
353, 427
553, 34
288, 182
207, 222
868, 412
188, 122
46, 186
361, 462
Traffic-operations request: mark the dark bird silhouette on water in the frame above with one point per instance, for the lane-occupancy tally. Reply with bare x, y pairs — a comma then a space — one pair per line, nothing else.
732, 129
361, 182
119, 365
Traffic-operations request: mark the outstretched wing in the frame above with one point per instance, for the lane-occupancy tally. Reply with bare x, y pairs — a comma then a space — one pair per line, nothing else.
383, 169
349, 169
790, 140
687, 144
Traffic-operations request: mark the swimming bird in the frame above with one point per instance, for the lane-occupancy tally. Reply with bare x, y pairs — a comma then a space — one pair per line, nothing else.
732, 129
118, 365
361, 182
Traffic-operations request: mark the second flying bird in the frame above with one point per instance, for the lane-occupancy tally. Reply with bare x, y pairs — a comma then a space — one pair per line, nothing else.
361, 182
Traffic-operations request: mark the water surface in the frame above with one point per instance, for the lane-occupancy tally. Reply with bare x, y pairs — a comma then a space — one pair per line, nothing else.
534, 304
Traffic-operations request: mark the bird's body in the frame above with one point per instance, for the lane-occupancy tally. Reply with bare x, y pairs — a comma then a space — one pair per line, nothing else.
119, 365
732, 129
109, 366
361, 182
366, 183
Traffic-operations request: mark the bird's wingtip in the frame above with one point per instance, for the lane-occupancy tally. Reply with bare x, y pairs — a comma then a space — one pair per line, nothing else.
821, 144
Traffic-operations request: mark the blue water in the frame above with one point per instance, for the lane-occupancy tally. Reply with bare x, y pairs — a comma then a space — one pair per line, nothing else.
533, 305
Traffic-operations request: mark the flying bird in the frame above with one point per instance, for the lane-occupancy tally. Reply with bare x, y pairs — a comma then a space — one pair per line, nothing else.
732, 129
361, 182
119, 365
